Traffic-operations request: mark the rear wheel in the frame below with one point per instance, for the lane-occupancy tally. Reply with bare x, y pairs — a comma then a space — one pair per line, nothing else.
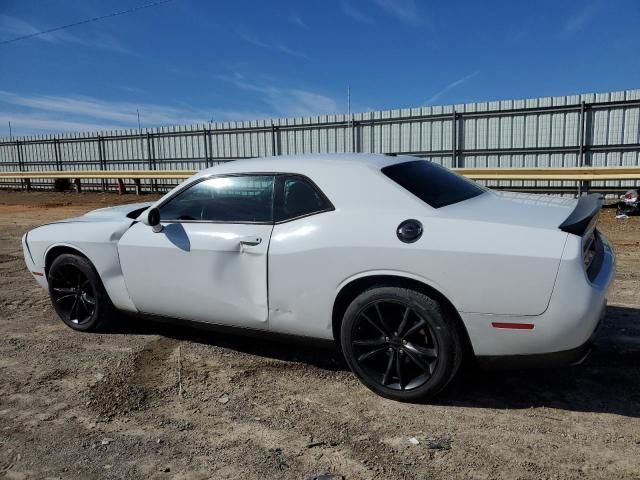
77, 293
401, 343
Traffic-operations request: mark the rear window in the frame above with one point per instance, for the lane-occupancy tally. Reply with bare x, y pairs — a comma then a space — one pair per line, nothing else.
431, 183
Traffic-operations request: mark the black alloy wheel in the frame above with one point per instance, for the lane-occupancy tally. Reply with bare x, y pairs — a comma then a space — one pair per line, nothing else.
395, 345
77, 294
73, 294
400, 343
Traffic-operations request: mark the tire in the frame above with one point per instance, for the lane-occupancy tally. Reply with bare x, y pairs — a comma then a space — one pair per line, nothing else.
402, 344
77, 293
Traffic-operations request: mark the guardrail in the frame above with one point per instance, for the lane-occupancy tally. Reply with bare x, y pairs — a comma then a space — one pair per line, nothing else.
578, 174
560, 173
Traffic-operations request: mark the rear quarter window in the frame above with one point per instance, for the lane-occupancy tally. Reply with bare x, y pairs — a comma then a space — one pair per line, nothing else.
431, 183
298, 197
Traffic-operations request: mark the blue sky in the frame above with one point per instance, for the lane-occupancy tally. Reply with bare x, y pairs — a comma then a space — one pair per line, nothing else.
189, 61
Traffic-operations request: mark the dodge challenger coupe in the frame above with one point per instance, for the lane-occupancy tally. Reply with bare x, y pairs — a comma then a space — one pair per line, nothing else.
403, 263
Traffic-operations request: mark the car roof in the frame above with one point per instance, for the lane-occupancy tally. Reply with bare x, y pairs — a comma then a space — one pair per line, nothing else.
306, 164
327, 170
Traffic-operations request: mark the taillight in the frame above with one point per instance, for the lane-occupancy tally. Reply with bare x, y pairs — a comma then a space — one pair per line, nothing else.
593, 254
589, 250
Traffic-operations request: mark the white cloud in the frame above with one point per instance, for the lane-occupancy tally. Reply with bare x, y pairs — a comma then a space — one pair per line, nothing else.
301, 103
357, 15
451, 86
31, 114
15, 27
37, 123
404, 10
289, 51
11, 27
517, 35
579, 19
297, 20
249, 38
279, 47
121, 113
286, 102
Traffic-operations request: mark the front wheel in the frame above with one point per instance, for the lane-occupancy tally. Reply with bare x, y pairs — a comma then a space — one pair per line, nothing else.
401, 343
77, 293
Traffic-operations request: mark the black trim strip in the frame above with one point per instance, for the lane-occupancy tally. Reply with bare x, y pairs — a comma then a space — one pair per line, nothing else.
26, 242
571, 357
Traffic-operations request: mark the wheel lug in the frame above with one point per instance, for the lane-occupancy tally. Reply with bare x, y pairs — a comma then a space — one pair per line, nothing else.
391, 349
386, 339
404, 342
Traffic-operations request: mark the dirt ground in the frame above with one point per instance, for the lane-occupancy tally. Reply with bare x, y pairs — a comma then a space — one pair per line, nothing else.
75, 405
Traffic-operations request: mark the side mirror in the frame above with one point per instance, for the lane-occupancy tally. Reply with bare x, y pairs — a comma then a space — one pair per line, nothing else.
151, 217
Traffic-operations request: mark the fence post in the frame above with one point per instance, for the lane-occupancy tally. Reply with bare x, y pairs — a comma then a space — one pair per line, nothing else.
353, 135
211, 146
102, 162
149, 164
582, 123
20, 162
155, 163
56, 147
274, 143
206, 147
152, 160
586, 143
372, 130
454, 139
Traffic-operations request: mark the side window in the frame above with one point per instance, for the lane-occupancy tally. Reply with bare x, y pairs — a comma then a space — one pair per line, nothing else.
233, 199
298, 197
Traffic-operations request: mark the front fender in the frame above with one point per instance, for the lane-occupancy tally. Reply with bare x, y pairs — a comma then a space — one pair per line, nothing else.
96, 241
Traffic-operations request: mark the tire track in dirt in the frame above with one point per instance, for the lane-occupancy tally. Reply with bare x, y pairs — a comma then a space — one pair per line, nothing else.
133, 383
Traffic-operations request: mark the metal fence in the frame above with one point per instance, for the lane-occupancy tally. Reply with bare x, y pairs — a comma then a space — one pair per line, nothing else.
569, 131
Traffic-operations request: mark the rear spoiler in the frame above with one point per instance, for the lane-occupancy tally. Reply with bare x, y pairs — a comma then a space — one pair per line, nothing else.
583, 215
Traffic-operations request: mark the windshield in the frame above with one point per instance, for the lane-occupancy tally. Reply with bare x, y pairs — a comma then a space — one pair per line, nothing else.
431, 183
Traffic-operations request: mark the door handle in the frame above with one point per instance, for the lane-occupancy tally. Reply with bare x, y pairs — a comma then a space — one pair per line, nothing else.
250, 241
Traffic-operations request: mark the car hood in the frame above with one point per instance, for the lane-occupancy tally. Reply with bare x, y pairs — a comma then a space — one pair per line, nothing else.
522, 209
110, 214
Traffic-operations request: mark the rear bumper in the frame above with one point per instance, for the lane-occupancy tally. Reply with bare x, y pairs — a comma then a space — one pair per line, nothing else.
574, 356
562, 334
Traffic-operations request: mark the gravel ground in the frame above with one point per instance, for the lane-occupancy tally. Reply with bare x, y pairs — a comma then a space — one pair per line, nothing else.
107, 405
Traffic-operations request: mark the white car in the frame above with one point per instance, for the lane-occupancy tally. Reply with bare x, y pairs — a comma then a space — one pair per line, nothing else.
402, 263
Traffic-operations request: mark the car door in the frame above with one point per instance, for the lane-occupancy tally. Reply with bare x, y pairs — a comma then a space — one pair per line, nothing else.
208, 263
303, 258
